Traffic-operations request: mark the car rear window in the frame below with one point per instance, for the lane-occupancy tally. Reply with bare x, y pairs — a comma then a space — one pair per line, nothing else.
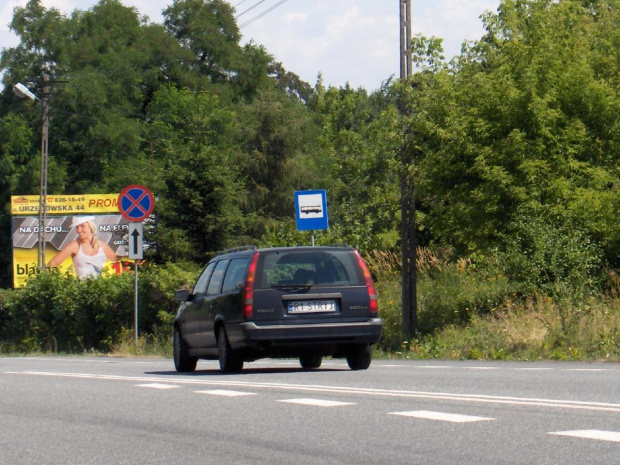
326, 268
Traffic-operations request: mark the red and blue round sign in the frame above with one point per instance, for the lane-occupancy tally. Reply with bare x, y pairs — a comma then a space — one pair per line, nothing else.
136, 202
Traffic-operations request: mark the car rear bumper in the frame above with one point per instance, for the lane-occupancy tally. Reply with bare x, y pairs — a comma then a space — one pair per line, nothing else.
250, 335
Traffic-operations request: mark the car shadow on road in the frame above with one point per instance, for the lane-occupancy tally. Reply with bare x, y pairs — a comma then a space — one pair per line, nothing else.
245, 371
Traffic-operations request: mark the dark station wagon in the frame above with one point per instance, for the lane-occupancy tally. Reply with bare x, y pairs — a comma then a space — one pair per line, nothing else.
302, 302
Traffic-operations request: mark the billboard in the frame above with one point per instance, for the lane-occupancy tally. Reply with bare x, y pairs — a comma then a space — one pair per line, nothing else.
84, 235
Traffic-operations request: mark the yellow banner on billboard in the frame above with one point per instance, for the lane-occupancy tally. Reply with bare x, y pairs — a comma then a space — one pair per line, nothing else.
25, 205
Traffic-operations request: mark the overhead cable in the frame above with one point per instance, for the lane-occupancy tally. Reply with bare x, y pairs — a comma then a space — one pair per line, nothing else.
263, 13
249, 9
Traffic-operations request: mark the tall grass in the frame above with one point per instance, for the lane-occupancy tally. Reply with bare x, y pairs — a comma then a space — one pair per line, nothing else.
470, 310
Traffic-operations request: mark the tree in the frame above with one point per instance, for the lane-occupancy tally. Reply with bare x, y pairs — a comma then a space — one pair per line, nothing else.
198, 212
523, 125
360, 138
208, 29
278, 133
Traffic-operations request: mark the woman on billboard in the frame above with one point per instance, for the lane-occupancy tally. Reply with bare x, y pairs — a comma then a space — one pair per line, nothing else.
88, 253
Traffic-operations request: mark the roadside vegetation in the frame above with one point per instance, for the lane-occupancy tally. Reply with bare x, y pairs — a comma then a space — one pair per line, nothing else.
513, 148
466, 310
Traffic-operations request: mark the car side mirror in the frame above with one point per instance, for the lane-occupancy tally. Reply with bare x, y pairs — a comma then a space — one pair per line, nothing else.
182, 295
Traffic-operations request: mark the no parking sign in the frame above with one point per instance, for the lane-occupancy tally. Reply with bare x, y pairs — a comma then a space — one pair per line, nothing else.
136, 203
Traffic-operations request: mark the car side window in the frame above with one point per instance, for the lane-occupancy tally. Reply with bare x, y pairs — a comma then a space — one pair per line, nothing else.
201, 284
215, 283
235, 275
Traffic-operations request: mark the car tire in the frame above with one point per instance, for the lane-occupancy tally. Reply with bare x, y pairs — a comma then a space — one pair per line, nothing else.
182, 362
309, 362
359, 357
230, 362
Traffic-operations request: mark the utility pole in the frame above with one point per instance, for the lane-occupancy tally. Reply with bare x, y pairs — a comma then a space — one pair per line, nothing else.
43, 186
407, 187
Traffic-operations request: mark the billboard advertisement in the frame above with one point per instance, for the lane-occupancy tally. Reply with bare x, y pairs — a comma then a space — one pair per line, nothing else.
84, 235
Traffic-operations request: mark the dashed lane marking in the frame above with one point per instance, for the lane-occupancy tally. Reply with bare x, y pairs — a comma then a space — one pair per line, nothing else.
317, 402
158, 386
599, 435
225, 393
588, 369
228, 383
533, 369
440, 416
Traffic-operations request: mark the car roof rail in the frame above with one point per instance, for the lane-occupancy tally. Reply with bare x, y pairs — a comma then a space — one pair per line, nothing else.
238, 249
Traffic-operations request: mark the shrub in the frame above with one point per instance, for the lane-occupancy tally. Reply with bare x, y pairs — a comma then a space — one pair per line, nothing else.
60, 313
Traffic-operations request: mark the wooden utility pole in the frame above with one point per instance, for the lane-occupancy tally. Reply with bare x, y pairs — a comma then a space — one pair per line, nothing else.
405, 39
407, 188
45, 101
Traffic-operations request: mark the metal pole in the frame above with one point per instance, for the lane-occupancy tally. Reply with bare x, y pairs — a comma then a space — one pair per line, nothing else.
135, 303
43, 185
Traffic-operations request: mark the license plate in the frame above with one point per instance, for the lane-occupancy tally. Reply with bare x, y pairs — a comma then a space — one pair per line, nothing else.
312, 306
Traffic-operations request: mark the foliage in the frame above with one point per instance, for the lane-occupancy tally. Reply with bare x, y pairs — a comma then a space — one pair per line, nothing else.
510, 151
497, 323
361, 137
56, 313
200, 185
519, 136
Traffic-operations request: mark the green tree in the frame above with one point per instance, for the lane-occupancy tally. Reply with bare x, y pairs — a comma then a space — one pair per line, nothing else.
278, 132
208, 29
360, 138
524, 124
198, 212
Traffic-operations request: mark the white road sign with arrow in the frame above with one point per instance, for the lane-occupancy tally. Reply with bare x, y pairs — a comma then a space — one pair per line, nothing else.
136, 234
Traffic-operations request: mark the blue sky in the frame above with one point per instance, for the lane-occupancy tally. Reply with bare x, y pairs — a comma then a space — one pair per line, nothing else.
347, 41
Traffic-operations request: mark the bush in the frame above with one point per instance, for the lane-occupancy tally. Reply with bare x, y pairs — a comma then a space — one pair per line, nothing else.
60, 313
544, 255
448, 293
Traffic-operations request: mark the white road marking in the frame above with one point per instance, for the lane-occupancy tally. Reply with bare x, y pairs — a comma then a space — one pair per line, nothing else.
591, 434
317, 402
158, 386
225, 393
228, 383
588, 369
440, 416
533, 369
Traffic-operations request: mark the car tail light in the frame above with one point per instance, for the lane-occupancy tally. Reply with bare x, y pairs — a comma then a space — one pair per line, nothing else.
372, 293
248, 300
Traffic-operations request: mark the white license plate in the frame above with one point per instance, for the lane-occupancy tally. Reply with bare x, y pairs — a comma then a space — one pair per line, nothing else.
312, 306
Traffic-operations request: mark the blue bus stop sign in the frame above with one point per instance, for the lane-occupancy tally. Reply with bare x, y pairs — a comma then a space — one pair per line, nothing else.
136, 203
311, 210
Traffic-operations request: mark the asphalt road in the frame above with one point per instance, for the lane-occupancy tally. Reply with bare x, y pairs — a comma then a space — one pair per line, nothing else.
85, 410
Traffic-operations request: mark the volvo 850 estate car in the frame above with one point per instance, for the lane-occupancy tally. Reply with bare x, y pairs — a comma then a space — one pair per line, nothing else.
301, 302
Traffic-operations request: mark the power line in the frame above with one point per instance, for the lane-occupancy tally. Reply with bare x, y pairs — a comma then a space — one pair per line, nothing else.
249, 9
263, 13
242, 1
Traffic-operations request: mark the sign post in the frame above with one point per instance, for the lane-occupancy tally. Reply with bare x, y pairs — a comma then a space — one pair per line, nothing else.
136, 203
311, 211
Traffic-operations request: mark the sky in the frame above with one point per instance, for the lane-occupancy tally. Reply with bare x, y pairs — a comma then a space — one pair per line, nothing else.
353, 42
